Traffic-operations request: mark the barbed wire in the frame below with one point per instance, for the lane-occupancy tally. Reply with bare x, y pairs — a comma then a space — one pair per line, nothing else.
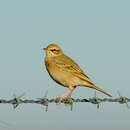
45, 101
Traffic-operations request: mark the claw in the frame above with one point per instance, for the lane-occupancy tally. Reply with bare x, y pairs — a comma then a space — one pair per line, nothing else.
67, 100
58, 100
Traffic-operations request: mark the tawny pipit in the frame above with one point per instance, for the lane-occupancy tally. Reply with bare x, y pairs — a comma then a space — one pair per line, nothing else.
66, 72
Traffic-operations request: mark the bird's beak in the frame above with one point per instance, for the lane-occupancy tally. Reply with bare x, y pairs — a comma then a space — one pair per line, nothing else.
44, 49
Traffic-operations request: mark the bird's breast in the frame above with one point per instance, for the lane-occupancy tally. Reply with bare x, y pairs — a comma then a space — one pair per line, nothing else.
58, 74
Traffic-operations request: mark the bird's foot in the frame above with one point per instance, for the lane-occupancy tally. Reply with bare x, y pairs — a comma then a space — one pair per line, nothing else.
67, 100
58, 100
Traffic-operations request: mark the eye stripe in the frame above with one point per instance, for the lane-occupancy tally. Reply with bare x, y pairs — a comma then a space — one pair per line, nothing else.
53, 49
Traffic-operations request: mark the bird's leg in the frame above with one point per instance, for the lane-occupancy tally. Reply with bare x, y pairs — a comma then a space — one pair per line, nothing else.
68, 98
59, 98
71, 91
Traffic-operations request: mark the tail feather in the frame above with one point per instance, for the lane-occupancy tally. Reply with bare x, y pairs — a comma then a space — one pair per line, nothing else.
101, 90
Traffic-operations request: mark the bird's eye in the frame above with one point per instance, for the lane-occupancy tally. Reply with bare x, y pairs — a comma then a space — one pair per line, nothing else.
53, 50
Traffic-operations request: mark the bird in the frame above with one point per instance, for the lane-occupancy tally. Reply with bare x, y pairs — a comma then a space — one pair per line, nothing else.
66, 72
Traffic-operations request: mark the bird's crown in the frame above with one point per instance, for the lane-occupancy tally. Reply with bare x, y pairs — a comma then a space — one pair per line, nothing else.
53, 49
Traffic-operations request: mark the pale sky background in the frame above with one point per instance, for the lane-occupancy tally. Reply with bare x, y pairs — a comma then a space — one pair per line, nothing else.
95, 33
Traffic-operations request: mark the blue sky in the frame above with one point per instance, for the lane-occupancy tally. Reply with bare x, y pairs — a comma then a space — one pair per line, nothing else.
96, 34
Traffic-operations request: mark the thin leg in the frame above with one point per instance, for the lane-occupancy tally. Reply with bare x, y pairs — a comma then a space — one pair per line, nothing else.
71, 91
59, 98
68, 98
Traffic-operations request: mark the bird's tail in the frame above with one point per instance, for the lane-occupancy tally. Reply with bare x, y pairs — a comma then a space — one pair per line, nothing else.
99, 89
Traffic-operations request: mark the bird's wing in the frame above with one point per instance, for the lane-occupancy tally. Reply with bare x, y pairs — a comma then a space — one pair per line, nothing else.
65, 63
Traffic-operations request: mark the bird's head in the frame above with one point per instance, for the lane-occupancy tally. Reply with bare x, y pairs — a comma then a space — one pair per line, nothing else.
53, 50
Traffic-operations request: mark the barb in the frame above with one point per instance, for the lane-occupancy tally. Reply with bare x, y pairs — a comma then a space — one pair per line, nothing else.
95, 100
45, 101
16, 100
123, 100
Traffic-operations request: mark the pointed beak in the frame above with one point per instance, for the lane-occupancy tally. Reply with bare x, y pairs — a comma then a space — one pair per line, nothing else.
44, 49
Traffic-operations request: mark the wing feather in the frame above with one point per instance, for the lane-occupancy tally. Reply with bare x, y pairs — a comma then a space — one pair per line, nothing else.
65, 63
